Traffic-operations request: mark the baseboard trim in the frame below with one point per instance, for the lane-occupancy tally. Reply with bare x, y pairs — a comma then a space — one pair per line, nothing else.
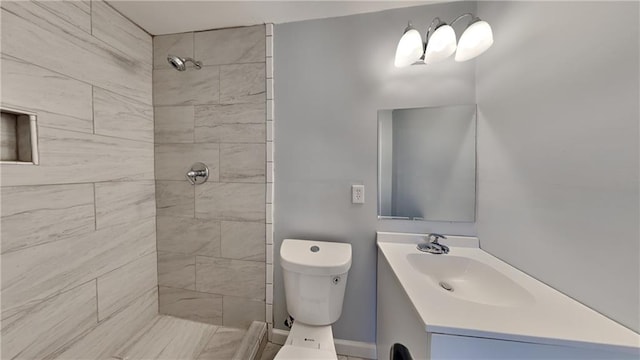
343, 347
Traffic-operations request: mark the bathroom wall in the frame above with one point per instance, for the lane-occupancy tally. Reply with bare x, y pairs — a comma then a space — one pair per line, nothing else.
559, 148
211, 237
332, 77
78, 231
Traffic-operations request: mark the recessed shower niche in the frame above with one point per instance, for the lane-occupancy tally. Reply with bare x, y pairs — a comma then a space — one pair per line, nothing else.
18, 137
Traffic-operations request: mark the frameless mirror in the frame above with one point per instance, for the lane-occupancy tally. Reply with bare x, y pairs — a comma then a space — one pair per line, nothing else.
427, 163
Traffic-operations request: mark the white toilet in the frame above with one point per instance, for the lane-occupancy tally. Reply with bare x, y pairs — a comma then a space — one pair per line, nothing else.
315, 278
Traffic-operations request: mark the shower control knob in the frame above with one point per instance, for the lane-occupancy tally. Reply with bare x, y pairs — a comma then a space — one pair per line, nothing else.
198, 174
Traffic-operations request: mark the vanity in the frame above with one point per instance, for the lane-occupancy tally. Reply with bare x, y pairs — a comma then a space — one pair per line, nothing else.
468, 304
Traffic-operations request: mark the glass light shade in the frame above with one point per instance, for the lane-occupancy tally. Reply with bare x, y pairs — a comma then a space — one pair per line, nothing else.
475, 40
440, 45
409, 48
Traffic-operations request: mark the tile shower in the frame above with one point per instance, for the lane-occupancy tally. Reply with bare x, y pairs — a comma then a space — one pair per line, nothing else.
118, 128
211, 237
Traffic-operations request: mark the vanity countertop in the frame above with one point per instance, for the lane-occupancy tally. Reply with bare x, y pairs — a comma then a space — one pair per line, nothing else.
543, 316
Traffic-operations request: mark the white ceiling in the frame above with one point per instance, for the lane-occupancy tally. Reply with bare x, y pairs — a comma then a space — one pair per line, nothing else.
160, 17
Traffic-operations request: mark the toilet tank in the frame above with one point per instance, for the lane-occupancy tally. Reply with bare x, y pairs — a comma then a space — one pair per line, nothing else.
315, 278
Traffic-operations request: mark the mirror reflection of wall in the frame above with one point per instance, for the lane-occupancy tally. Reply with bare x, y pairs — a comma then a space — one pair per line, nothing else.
427, 163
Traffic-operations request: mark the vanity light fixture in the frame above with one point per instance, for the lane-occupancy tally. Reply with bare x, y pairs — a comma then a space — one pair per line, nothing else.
441, 43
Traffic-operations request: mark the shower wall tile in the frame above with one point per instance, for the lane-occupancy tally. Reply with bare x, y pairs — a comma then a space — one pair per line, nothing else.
33, 274
176, 270
104, 340
74, 157
188, 236
229, 114
173, 161
31, 32
119, 116
174, 124
174, 198
230, 46
77, 13
232, 133
111, 27
122, 286
242, 83
230, 277
34, 215
174, 44
192, 305
121, 203
242, 163
53, 323
191, 87
243, 240
241, 312
230, 201
33, 88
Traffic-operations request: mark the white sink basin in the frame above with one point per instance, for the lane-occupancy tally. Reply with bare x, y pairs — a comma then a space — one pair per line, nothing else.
469, 280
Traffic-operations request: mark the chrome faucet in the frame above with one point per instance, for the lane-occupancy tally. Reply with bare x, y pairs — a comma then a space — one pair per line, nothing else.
432, 246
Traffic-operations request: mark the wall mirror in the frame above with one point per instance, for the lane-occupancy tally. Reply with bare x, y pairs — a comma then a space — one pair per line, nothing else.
427, 163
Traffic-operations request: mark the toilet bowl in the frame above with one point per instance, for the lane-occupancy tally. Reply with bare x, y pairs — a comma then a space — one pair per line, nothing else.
315, 279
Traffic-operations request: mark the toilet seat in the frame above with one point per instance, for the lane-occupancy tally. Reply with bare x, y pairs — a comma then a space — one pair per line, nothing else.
290, 352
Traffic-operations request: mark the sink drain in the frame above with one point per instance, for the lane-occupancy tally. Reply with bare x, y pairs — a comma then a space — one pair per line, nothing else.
446, 286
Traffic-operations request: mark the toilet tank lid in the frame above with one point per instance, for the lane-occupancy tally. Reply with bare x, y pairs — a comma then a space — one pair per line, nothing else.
315, 257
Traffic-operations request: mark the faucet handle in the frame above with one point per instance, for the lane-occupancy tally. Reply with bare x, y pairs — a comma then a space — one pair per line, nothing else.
434, 237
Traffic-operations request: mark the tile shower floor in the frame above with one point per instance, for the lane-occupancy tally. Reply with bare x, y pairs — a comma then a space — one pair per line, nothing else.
171, 338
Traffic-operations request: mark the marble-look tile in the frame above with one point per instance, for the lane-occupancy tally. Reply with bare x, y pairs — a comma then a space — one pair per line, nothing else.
269, 130
174, 198
119, 116
243, 240
50, 325
176, 270
253, 342
242, 163
242, 83
269, 234
121, 286
269, 313
228, 201
77, 13
31, 32
270, 351
169, 338
34, 215
25, 86
269, 274
240, 312
104, 340
231, 46
190, 87
66, 155
223, 344
174, 44
192, 305
173, 161
229, 114
24, 138
111, 27
269, 193
231, 133
271, 110
8, 137
188, 236
38, 272
174, 124
230, 277
121, 203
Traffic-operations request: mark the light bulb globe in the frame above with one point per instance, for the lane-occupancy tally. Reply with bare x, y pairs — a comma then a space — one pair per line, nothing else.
409, 48
475, 40
440, 45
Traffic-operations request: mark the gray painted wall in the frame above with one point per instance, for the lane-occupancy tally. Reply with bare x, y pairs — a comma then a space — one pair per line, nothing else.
333, 75
558, 148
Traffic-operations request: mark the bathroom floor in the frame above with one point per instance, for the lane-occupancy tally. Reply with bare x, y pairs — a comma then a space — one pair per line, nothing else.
271, 350
171, 338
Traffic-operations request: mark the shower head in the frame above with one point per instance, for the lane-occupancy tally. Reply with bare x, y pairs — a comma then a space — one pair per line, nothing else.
179, 63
